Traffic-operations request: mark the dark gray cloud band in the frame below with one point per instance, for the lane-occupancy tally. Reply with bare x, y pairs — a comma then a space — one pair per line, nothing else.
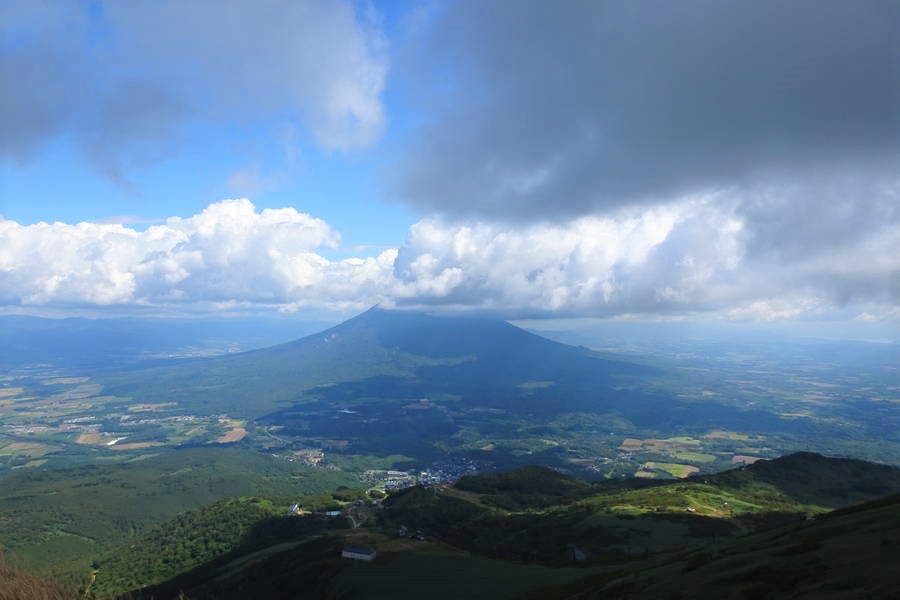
554, 109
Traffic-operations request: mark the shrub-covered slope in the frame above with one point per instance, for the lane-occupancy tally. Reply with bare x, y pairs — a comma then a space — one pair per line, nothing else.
64, 519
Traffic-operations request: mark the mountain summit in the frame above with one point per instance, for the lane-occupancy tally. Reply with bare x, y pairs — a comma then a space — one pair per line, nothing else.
444, 336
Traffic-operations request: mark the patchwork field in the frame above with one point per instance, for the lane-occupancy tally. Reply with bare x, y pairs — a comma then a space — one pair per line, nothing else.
232, 436
673, 469
52, 420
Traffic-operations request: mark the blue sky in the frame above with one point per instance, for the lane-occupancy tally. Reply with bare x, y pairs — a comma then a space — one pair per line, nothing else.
58, 183
721, 161
343, 188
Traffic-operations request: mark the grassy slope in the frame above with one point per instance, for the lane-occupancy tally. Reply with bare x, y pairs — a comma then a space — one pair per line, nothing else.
848, 553
312, 568
65, 519
19, 584
439, 575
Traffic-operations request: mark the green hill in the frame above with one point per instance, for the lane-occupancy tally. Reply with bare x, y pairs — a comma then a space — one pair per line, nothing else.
848, 553
527, 487
811, 479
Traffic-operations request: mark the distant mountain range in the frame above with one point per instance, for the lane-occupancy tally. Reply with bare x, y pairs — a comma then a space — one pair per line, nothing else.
88, 344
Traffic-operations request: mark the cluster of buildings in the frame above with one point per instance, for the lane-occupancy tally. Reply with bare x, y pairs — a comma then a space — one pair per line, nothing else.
438, 474
78, 424
21, 429
389, 479
311, 456
448, 472
295, 509
127, 420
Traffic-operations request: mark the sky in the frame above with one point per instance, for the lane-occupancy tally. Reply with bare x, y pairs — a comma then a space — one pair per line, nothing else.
718, 160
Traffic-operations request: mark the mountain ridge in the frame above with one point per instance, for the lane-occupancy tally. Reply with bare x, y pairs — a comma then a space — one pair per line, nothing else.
465, 518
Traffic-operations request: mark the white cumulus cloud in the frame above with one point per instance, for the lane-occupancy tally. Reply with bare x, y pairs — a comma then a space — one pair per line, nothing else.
229, 252
686, 256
